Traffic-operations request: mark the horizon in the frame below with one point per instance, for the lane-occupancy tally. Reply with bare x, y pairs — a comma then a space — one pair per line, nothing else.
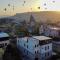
54, 16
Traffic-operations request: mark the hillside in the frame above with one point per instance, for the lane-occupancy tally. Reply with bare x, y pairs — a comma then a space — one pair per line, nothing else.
40, 16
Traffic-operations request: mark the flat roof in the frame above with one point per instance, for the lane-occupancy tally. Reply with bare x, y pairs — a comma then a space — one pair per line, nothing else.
2, 34
36, 37
42, 37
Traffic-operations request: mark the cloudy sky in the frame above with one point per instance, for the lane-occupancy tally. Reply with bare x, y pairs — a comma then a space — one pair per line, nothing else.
10, 7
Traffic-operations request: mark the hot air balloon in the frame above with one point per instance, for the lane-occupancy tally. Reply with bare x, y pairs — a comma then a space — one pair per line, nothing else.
13, 7
38, 7
53, 1
24, 1
5, 9
44, 4
8, 4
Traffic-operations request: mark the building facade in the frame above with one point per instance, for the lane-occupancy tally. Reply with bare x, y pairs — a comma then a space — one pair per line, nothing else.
36, 47
49, 30
56, 45
4, 39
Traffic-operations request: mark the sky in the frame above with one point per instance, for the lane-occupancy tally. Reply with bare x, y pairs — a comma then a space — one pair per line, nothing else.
11, 7
20, 6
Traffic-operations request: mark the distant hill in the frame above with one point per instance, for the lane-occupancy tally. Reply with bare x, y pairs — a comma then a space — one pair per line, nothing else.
40, 16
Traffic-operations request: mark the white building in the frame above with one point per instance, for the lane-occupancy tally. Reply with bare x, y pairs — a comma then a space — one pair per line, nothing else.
36, 47
56, 45
4, 39
49, 30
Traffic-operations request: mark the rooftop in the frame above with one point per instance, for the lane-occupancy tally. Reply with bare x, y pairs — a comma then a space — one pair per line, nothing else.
54, 27
41, 37
36, 37
2, 34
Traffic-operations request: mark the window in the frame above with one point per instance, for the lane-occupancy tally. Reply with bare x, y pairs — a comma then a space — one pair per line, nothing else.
35, 52
18, 41
45, 54
49, 41
48, 47
27, 46
5, 44
45, 48
24, 44
35, 46
27, 40
48, 53
2, 45
27, 52
24, 50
